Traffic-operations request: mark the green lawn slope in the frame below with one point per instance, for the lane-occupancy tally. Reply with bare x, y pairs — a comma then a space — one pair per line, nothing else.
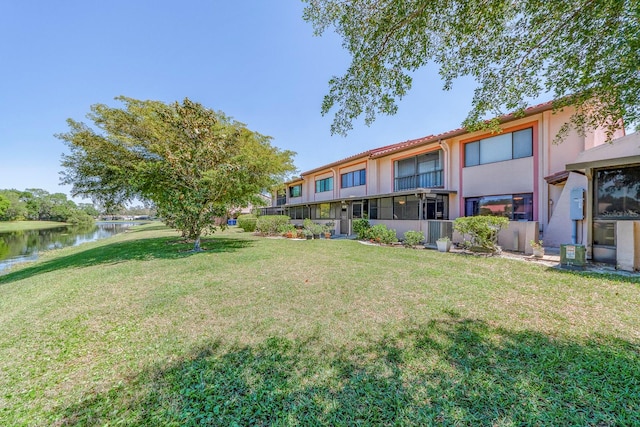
137, 330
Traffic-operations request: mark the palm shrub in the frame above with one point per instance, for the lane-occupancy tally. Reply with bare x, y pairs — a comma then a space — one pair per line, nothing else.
247, 222
482, 231
272, 224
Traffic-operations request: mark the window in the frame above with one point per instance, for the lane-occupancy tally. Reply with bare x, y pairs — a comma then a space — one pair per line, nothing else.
353, 179
604, 233
406, 207
423, 171
281, 198
295, 191
323, 185
508, 146
436, 207
373, 209
323, 211
385, 209
617, 193
516, 207
298, 212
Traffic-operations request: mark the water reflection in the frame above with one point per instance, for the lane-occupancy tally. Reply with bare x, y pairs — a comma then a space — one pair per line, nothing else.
24, 245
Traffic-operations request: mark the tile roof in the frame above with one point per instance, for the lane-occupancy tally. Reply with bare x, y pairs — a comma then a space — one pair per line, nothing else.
401, 146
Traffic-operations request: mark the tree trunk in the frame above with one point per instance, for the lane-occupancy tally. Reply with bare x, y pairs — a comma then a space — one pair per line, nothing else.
196, 244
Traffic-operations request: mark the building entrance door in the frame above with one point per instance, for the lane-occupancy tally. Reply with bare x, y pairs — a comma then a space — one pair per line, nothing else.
344, 220
430, 209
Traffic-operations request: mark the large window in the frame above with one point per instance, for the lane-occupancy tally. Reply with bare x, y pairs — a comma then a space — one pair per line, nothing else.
322, 211
381, 208
281, 198
423, 171
353, 179
406, 207
516, 207
323, 185
617, 193
508, 146
299, 212
295, 190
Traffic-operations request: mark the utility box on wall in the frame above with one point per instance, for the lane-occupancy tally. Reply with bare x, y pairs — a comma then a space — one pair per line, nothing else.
576, 211
572, 256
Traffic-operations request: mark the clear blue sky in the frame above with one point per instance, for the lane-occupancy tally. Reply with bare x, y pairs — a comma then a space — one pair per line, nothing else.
256, 60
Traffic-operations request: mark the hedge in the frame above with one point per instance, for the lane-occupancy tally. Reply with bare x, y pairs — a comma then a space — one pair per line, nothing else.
247, 222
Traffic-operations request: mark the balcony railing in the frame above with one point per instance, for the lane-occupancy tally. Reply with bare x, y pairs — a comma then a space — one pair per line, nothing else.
431, 179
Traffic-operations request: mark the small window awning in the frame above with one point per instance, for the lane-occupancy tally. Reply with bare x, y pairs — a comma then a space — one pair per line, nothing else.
557, 178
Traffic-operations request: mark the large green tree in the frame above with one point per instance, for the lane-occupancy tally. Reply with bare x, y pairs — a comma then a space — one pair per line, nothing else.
586, 53
192, 162
4, 205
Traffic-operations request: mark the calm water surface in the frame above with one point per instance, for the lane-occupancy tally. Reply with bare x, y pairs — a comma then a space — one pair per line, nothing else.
20, 246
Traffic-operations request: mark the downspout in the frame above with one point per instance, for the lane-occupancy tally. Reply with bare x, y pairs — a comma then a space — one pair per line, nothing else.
447, 170
588, 242
336, 192
335, 183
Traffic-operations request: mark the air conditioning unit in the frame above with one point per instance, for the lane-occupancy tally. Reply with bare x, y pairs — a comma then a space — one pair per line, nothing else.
572, 256
438, 229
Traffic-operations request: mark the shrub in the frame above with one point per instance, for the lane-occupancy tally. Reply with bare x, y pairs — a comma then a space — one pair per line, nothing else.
80, 218
271, 224
313, 228
413, 238
247, 222
381, 234
360, 227
287, 228
482, 231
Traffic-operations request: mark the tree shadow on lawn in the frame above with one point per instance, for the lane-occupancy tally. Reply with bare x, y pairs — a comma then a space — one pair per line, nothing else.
448, 372
139, 250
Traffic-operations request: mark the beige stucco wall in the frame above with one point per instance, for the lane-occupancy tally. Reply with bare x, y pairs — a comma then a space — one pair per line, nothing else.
556, 156
508, 177
385, 175
401, 227
628, 245
325, 195
516, 237
351, 192
560, 227
386, 165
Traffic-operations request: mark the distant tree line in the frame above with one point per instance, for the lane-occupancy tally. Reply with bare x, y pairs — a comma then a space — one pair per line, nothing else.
34, 204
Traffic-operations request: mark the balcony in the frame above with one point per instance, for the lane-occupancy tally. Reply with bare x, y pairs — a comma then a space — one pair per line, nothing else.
433, 179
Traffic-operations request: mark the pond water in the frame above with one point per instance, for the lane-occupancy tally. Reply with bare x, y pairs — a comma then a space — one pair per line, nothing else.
25, 245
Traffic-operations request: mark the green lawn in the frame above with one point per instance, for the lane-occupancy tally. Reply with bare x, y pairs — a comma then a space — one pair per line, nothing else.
136, 330
7, 226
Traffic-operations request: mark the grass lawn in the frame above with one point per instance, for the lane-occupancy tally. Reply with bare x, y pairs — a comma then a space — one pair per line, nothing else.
136, 330
8, 226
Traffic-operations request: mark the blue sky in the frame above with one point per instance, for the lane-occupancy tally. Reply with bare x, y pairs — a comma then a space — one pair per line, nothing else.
255, 60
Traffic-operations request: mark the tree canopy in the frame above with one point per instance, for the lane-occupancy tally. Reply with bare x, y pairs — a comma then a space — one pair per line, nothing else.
586, 53
35, 204
192, 162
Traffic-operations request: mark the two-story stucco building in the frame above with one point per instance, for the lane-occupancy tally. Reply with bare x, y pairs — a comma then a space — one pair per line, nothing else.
423, 184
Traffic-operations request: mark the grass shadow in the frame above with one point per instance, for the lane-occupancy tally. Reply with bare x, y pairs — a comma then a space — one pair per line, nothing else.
617, 277
447, 372
112, 253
